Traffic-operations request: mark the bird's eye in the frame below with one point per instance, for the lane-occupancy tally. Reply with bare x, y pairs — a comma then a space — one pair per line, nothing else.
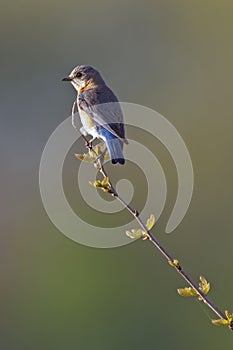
78, 75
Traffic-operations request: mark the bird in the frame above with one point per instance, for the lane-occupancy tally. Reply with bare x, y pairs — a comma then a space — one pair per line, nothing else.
99, 110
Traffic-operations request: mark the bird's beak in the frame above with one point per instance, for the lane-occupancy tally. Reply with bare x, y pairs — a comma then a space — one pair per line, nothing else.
67, 79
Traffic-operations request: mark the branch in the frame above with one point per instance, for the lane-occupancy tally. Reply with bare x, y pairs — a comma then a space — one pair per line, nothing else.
145, 233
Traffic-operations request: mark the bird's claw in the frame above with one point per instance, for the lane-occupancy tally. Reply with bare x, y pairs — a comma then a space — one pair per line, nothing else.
88, 144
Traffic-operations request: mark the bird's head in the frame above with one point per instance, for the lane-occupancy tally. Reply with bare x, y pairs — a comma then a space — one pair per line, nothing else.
82, 76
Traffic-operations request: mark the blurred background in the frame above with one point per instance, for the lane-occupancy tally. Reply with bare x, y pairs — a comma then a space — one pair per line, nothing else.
174, 56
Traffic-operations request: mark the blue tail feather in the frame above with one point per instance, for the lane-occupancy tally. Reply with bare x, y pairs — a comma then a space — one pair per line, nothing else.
114, 146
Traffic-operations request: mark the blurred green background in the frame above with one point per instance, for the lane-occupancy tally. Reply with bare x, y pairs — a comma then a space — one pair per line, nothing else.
174, 56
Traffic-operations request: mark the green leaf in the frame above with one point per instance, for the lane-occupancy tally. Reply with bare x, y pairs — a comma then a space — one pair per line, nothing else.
229, 316
86, 157
100, 149
174, 262
104, 184
187, 292
204, 286
135, 234
96, 184
91, 156
225, 322
150, 222
97, 149
220, 322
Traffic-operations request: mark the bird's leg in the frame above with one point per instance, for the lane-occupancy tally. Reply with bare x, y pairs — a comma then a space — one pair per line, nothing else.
88, 143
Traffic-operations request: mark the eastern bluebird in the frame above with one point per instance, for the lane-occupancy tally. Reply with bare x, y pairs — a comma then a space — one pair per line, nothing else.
99, 110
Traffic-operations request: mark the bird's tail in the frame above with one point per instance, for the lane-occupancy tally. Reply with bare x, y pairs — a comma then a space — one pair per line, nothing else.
115, 146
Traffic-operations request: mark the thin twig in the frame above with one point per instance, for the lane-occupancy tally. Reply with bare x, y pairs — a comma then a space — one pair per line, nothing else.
155, 242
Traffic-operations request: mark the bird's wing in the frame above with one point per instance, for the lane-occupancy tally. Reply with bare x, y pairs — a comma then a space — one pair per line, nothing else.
105, 112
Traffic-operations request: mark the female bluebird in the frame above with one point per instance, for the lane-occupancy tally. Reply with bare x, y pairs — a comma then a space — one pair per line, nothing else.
99, 110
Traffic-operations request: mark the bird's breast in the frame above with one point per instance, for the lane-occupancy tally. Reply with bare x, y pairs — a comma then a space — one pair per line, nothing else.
88, 123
